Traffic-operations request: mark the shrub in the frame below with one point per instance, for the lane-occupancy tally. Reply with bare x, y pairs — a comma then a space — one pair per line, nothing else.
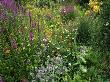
83, 33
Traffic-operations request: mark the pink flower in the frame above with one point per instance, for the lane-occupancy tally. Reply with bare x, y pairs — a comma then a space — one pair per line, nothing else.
0, 80
25, 80
67, 9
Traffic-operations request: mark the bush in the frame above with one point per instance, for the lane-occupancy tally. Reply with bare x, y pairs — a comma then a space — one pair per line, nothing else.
83, 33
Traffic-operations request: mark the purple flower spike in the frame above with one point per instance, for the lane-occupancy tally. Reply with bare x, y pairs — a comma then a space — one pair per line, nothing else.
31, 35
0, 80
11, 5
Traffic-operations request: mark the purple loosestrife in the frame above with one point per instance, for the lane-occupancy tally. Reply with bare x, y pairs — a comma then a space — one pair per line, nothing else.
67, 9
0, 80
31, 35
11, 5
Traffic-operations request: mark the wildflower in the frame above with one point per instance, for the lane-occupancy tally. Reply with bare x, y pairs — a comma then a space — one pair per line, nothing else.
95, 5
45, 40
96, 8
0, 80
10, 4
89, 13
31, 35
67, 9
25, 80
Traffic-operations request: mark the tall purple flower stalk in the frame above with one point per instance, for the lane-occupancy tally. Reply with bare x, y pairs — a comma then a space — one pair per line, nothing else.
10, 4
0, 80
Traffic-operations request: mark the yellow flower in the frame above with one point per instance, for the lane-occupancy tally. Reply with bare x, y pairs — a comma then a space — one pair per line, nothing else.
87, 13
96, 9
95, 5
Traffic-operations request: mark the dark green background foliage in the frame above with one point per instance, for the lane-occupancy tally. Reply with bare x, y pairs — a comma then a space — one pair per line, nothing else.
83, 33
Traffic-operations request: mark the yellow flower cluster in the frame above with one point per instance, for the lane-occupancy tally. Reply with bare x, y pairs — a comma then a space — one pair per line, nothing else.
95, 5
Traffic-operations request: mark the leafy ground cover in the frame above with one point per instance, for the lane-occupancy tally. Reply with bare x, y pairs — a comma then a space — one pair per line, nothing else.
54, 41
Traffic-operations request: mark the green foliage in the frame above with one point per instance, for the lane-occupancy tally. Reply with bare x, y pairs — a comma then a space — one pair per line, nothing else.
45, 45
83, 33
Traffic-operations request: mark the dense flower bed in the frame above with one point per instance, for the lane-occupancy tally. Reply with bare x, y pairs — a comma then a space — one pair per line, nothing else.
54, 41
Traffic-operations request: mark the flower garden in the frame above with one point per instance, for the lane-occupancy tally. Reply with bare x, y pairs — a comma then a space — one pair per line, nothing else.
54, 41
